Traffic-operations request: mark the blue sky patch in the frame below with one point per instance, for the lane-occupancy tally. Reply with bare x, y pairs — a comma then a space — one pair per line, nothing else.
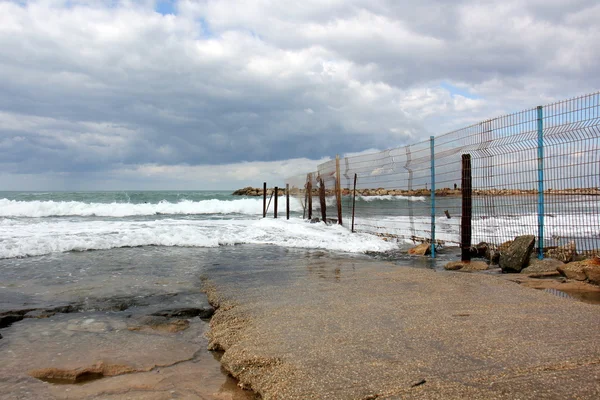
165, 7
457, 91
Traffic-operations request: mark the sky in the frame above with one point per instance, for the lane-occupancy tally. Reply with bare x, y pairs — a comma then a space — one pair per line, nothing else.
221, 94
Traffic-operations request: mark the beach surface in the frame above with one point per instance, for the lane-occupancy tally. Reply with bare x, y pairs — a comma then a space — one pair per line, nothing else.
329, 327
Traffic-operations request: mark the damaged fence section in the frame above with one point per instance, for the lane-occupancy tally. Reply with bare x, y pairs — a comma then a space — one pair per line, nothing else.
534, 172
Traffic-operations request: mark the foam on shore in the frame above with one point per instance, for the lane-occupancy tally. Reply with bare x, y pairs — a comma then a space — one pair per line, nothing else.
22, 239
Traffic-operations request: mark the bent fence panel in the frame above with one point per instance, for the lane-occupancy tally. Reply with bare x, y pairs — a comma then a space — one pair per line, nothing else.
533, 172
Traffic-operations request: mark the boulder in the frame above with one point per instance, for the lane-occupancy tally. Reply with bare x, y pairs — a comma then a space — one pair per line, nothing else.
563, 253
482, 250
573, 270
537, 266
454, 265
516, 257
421, 250
592, 272
466, 266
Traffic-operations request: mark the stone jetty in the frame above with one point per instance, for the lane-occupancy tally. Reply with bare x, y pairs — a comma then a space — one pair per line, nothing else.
443, 192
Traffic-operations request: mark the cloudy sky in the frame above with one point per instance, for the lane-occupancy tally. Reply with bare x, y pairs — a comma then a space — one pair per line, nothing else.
219, 94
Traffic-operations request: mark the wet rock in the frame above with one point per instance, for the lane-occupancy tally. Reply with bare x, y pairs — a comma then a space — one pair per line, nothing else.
92, 325
481, 250
466, 266
420, 250
8, 319
563, 253
592, 272
161, 324
78, 375
537, 266
573, 270
516, 257
188, 312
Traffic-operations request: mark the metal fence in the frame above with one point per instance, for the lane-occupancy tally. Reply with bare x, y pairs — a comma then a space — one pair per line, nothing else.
532, 172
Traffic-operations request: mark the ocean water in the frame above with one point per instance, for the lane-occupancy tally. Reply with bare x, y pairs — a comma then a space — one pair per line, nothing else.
34, 224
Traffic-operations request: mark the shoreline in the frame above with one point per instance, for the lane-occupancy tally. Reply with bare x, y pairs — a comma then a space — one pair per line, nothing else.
443, 192
321, 341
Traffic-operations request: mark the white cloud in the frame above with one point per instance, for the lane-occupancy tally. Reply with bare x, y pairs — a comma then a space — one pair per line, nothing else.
93, 87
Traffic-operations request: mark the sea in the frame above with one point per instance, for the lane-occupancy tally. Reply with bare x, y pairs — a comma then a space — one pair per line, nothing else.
101, 278
83, 276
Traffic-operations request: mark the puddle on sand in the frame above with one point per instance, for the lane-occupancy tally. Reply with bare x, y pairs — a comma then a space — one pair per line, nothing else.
583, 296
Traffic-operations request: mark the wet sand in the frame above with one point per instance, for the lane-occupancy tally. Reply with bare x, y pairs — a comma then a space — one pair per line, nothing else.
327, 327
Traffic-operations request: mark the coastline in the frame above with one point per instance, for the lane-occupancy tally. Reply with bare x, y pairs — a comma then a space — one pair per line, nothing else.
443, 192
368, 329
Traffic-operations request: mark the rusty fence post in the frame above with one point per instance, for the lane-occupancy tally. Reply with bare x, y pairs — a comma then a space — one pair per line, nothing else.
287, 201
309, 188
322, 200
353, 202
276, 195
338, 189
264, 199
467, 208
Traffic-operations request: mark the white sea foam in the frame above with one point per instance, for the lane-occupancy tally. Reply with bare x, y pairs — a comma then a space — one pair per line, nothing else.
499, 229
19, 238
391, 198
38, 209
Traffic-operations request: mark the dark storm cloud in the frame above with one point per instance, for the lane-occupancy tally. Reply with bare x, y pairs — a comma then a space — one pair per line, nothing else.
105, 87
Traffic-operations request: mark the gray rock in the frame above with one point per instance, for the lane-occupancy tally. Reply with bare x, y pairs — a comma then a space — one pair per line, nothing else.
573, 270
537, 266
187, 312
563, 253
516, 257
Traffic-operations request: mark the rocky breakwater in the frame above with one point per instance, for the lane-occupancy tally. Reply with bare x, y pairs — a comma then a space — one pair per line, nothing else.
443, 192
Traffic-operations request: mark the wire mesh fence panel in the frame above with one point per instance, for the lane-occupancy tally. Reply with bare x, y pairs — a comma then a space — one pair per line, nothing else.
533, 172
572, 174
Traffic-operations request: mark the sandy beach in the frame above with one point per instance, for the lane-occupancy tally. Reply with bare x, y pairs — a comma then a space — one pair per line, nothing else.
336, 328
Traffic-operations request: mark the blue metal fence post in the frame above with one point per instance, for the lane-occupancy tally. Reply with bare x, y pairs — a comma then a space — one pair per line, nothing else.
432, 144
540, 132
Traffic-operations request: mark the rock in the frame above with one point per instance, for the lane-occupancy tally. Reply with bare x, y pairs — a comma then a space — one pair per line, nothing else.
516, 257
563, 253
315, 220
573, 270
77, 375
466, 266
188, 312
482, 250
493, 252
453, 265
8, 319
88, 325
421, 250
157, 323
537, 266
592, 272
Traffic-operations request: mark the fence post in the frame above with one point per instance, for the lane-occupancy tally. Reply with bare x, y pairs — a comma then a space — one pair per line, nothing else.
338, 191
432, 145
309, 189
264, 199
353, 202
287, 201
540, 132
275, 203
322, 200
467, 208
